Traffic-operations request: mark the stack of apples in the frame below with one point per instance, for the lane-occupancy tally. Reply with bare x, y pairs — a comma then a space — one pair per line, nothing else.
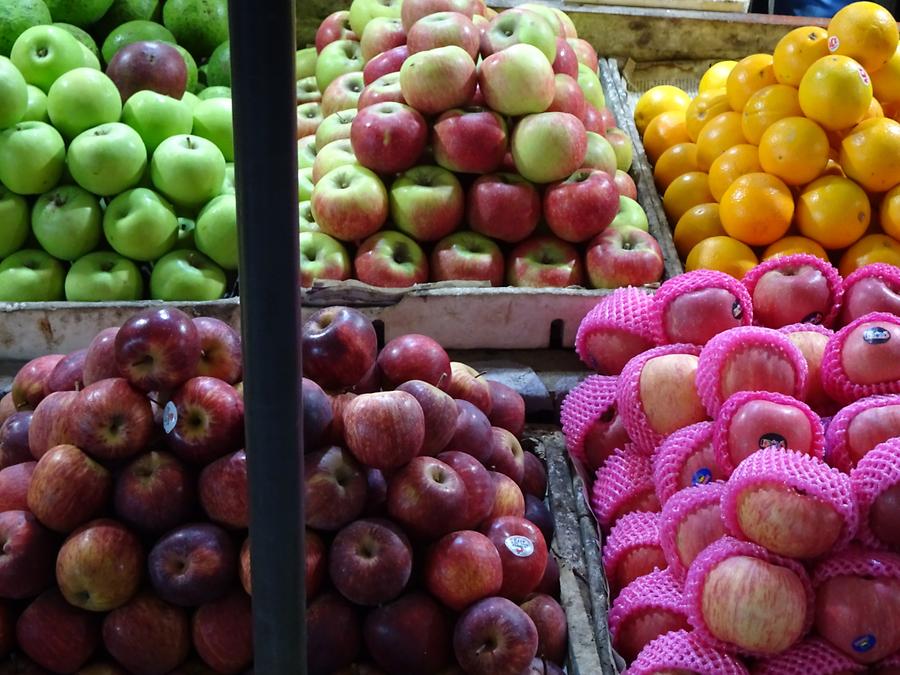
745, 468
124, 508
439, 140
115, 184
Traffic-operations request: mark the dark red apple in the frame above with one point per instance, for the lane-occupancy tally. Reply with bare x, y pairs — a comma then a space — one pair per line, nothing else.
334, 488
385, 429
409, 635
473, 433
463, 567
507, 408
110, 419
57, 635
223, 491
7, 630
148, 635
50, 422
245, 566
104, 668
509, 500
14, 482
154, 493
537, 512
507, 455
148, 64
480, 488
193, 565
7, 407
158, 349
440, 412
549, 583
14, 447
100, 566
68, 488
566, 61
470, 140
68, 374
376, 493
467, 384
334, 433
550, 620
18, 664
27, 555
370, 562
535, 480
220, 350
100, 360
384, 64
318, 415
223, 633
495, 637
29, 385
339, 347
414, 357
503, 206
427, 497
333, 625
523, 553
370, 383
209, 420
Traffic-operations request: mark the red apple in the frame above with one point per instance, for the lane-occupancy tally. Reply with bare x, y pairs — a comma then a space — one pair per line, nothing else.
318, 414
584, 52
334, 432
467, 384
29, 385
718, 308
68, 488
494, 637
51, 422
333, 625
523, 553
147, 635
582, 206
443, 29
154, 493
384, 430
544, 261
209, 420
508, 500
549, 583
625, 184
566, 61
148, 64
609, 120
569, 97
414, 10
385, 89
440, 413
336, 26
68, 374
29, 550
220, 350
414, 357
438, 79
7, 407
467, 256
550, 621
865, 293
57, 635
100, 360
14, 483
473, 432
100, 565
379, 67
480, 488
370, 562
339, 347
793, 293
193, 564
158, 349
593, 120
379, 35
627, 257
376, 493
537, 512
503, 206
334, 488
409, 635
222, 631
507, 408
316, 564
388, 137
14, 448
470, 140
110, 419
223, 491
462, 568
391, 260
507, 456
427, 497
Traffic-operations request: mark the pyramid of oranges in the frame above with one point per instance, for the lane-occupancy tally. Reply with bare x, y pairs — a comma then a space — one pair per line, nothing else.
794, 151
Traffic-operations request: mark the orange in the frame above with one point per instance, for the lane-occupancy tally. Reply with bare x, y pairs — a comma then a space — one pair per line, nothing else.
749, 75
757, 209
675, 161
719, 134
835, 92
870, 154
716, 76
731, 165
870, 249
723, 254
795, 149
889, 213
864, 31
698, 223
687, 190
664, 131
875, 110
766, 106
794, 244
834, 211
886, 80
797, 51
657, 100
705, 106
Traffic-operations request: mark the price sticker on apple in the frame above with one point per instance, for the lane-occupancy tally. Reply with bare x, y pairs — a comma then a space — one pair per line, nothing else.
864, 643
772, 440
702, 477
170, 417
876, 335
737, 311
519, 546
833, 43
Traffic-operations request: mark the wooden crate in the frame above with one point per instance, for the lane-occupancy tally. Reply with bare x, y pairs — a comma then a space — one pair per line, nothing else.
700, 5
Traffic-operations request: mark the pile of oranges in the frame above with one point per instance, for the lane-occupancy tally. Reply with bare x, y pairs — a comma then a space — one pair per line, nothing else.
797, 151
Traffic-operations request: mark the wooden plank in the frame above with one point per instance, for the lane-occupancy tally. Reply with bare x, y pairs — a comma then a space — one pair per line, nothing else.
699, 5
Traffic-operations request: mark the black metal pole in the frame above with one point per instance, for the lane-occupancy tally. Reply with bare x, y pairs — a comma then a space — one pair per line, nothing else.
265, 126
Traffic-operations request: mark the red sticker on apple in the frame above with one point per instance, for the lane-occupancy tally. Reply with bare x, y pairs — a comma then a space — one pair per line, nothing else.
519, 546
864, 76
170, 417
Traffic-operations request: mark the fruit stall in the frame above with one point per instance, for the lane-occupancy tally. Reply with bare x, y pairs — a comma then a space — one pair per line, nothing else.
503, 338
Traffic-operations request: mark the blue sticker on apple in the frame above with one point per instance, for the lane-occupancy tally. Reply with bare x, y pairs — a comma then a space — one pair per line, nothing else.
876, 335
863, 643
701, 477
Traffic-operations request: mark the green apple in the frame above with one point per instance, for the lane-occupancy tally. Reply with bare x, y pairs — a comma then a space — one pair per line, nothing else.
304, 184
630, 214
156, 117
188, 170
134, 31
214, 92
199, 25
81, 35
79, 12
322, 257
335, 126
590, 86
104, 276
13, 222
123, 11
186, 275
363, 11
306, 152
600, 154
66, 222
335, 154
427, 202
107, 159
191, 99
192, 72
218, 68
32, 157
308, 90
621, 144
31, 275
140, 224
186, 228
13, 94
16, 16
43, 53
37, 106
228, 185
81, 99
216, 232
214, 122
305, 62
307, 220
337, 58
90, 59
